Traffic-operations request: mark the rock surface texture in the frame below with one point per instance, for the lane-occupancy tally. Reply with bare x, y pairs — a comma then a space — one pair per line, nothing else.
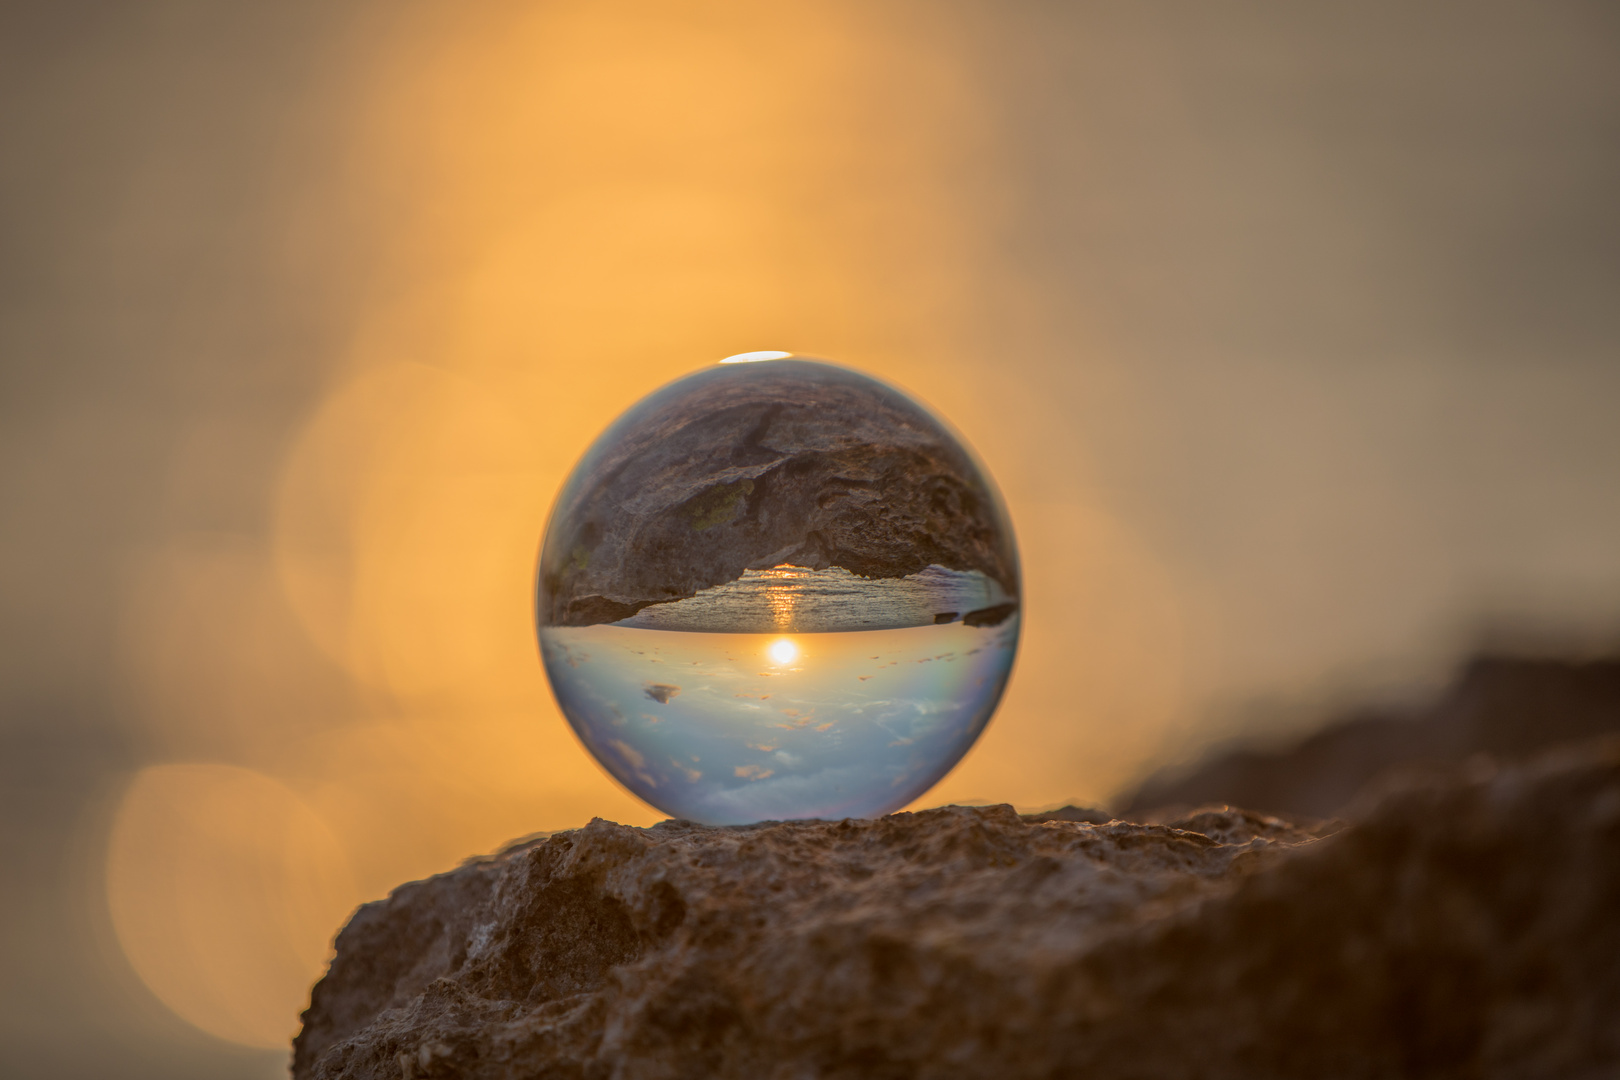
1465, 926
752, 466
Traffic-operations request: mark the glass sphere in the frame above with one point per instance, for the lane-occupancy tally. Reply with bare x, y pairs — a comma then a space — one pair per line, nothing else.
778, 589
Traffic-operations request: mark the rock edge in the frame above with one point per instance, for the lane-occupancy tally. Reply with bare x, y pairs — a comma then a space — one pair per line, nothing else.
1464, 926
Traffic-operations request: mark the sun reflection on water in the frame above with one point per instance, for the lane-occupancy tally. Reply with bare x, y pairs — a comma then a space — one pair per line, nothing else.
782, 594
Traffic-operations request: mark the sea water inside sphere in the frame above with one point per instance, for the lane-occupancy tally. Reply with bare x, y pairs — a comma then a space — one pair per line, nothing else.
780, 592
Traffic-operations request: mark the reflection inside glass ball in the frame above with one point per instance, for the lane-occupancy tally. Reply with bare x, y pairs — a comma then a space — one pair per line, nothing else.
777, 590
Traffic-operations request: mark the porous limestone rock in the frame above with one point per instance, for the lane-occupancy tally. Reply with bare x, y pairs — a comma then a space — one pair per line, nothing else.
1464, 926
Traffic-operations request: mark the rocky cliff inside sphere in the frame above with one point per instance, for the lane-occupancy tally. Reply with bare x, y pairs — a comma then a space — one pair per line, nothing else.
752, 466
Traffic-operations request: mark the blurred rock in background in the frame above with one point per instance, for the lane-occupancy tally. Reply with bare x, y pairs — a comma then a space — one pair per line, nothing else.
1506, 707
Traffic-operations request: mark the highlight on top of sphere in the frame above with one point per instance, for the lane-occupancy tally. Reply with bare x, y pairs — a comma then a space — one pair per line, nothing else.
755, 357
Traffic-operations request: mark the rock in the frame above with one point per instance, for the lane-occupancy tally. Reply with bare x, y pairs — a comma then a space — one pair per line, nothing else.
1084, 814
752, 466
1505, 706
1464, 926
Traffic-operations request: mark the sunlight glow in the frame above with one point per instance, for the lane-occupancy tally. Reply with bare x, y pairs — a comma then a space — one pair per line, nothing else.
783, 651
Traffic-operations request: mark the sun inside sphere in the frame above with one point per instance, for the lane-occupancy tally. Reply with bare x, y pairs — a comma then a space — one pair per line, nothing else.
778, 589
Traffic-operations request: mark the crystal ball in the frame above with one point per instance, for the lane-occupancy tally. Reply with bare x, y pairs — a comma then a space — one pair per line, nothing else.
778, 589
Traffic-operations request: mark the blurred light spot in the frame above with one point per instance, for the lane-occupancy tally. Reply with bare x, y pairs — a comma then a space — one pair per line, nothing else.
783, 651
406, 528
226, 890
754, 357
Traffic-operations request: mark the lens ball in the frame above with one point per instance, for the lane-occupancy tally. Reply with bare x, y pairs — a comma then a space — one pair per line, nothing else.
778, 589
